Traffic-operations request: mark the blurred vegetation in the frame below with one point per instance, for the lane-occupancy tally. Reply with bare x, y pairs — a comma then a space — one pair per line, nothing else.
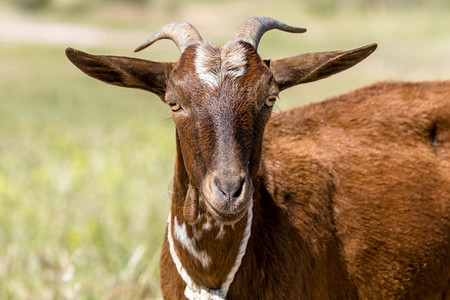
319, 7
85, 168
81, 184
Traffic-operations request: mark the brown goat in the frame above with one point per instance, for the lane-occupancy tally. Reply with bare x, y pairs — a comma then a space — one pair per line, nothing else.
344, 199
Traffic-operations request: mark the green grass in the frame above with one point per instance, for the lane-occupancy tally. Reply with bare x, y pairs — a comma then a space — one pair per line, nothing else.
85, 168
84, 171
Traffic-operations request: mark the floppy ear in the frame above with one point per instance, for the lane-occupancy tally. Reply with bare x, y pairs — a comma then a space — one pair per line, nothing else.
124, 71
314, 66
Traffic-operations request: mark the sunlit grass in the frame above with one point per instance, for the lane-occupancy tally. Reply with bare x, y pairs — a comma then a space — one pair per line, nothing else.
83, 183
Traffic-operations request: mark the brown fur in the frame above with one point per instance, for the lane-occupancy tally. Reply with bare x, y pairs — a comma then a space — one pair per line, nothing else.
365, 180
351, 196
352, 200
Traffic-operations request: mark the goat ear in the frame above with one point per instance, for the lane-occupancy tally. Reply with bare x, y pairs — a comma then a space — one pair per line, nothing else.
314, 66
123, 71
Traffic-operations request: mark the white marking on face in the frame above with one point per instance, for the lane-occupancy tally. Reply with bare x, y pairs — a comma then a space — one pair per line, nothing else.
234, 59
207, 62
181, 235
213, 64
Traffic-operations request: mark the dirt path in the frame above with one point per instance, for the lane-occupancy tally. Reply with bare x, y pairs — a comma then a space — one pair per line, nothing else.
22, 29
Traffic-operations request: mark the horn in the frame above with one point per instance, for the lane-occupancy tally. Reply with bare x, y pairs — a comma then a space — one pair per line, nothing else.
181, 33
251, 29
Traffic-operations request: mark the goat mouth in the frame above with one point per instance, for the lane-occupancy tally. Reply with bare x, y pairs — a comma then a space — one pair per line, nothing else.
227, 218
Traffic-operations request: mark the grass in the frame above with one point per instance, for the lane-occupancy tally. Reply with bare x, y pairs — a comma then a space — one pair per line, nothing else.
82, 209
85, 168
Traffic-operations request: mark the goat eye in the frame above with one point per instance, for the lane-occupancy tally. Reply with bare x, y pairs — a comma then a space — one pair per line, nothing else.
174, 106
270, 101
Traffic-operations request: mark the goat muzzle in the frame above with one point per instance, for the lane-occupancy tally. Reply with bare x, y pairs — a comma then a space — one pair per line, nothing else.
227, 195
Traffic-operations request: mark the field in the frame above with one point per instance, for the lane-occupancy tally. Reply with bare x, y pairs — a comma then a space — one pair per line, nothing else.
85, 168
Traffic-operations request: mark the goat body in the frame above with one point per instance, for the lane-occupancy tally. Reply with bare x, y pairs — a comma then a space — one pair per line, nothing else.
352, 200
344, 199
364, 180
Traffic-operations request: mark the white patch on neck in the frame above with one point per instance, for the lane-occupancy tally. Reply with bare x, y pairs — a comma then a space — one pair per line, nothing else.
207, 226
221, 233
195, 291
212, 65
181, 235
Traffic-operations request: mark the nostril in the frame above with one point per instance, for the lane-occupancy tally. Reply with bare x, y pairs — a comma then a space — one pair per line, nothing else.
219, 187
229, 189
239, 190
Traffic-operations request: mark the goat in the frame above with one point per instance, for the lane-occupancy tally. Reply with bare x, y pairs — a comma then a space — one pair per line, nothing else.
344, 199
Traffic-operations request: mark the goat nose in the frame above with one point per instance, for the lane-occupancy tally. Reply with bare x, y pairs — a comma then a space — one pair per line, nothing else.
229, 189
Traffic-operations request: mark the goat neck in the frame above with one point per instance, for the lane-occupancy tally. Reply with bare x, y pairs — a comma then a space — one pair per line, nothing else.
198, 244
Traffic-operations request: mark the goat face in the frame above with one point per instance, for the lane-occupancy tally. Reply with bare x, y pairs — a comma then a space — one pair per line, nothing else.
221, 99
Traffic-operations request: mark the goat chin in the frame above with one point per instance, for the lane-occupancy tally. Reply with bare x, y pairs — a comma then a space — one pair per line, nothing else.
227, 217
228, 212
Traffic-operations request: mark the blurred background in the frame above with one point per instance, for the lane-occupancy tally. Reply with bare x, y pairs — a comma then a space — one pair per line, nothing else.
85, 168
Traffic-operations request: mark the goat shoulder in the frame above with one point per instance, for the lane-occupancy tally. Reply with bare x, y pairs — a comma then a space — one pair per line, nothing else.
368, 173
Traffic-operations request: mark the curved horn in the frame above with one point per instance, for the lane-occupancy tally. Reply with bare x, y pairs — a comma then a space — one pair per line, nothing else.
251, 29
181, 33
